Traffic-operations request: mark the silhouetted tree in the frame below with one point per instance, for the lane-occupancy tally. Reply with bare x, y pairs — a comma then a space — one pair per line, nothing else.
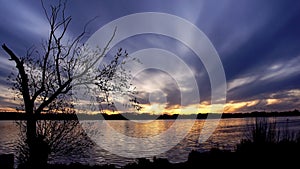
44, 81
56, 140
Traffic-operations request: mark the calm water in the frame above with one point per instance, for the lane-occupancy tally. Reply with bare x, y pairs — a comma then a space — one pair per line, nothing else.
228, 133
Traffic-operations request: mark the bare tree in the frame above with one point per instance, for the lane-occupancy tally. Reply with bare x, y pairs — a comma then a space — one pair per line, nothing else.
45, 79
56, 140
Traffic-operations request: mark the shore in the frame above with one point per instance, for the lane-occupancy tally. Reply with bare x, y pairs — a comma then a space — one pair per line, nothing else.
252, 157
144, 116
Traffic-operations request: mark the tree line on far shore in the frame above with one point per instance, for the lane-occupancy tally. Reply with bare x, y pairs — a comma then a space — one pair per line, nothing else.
143, 116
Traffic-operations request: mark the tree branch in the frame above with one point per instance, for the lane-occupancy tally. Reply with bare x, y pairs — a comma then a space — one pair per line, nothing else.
53, 96
98, 58
24, 79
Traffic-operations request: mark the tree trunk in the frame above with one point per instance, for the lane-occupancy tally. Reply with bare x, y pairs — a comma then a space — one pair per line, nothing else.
31, 138
38, 147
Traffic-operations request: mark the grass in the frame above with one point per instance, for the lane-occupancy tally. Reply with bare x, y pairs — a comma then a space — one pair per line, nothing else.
265, 132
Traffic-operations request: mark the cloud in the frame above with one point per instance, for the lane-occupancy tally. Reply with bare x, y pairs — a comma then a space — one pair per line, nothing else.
240, 82
280, 71
258, 44
151, 81
28, 23
277, 101
7, 98
271, 78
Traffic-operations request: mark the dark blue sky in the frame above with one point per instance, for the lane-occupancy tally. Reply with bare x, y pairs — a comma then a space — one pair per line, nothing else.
258, 43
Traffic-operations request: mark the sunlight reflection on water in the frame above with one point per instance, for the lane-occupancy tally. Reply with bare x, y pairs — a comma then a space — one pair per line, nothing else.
228, 133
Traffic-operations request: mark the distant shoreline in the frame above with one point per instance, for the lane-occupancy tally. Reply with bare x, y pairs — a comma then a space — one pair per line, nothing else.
131, 116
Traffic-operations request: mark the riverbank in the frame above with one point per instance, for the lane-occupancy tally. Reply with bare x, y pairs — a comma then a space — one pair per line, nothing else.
262, 156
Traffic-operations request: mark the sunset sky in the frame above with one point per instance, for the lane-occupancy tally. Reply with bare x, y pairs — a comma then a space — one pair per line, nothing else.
258, 43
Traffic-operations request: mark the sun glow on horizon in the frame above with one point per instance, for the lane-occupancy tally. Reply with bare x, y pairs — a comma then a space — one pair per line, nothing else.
203, 107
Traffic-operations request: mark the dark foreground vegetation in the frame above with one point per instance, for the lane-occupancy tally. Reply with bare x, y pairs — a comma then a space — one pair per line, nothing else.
265, 145
250, 155
285, 154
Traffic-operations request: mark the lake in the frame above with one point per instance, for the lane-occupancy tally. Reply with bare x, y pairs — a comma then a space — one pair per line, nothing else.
227, 135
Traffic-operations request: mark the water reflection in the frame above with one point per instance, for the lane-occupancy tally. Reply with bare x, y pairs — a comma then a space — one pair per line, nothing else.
140, 129
228, 133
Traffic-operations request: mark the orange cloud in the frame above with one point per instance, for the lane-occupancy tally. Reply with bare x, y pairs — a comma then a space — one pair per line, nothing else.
273, 101
236, 106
